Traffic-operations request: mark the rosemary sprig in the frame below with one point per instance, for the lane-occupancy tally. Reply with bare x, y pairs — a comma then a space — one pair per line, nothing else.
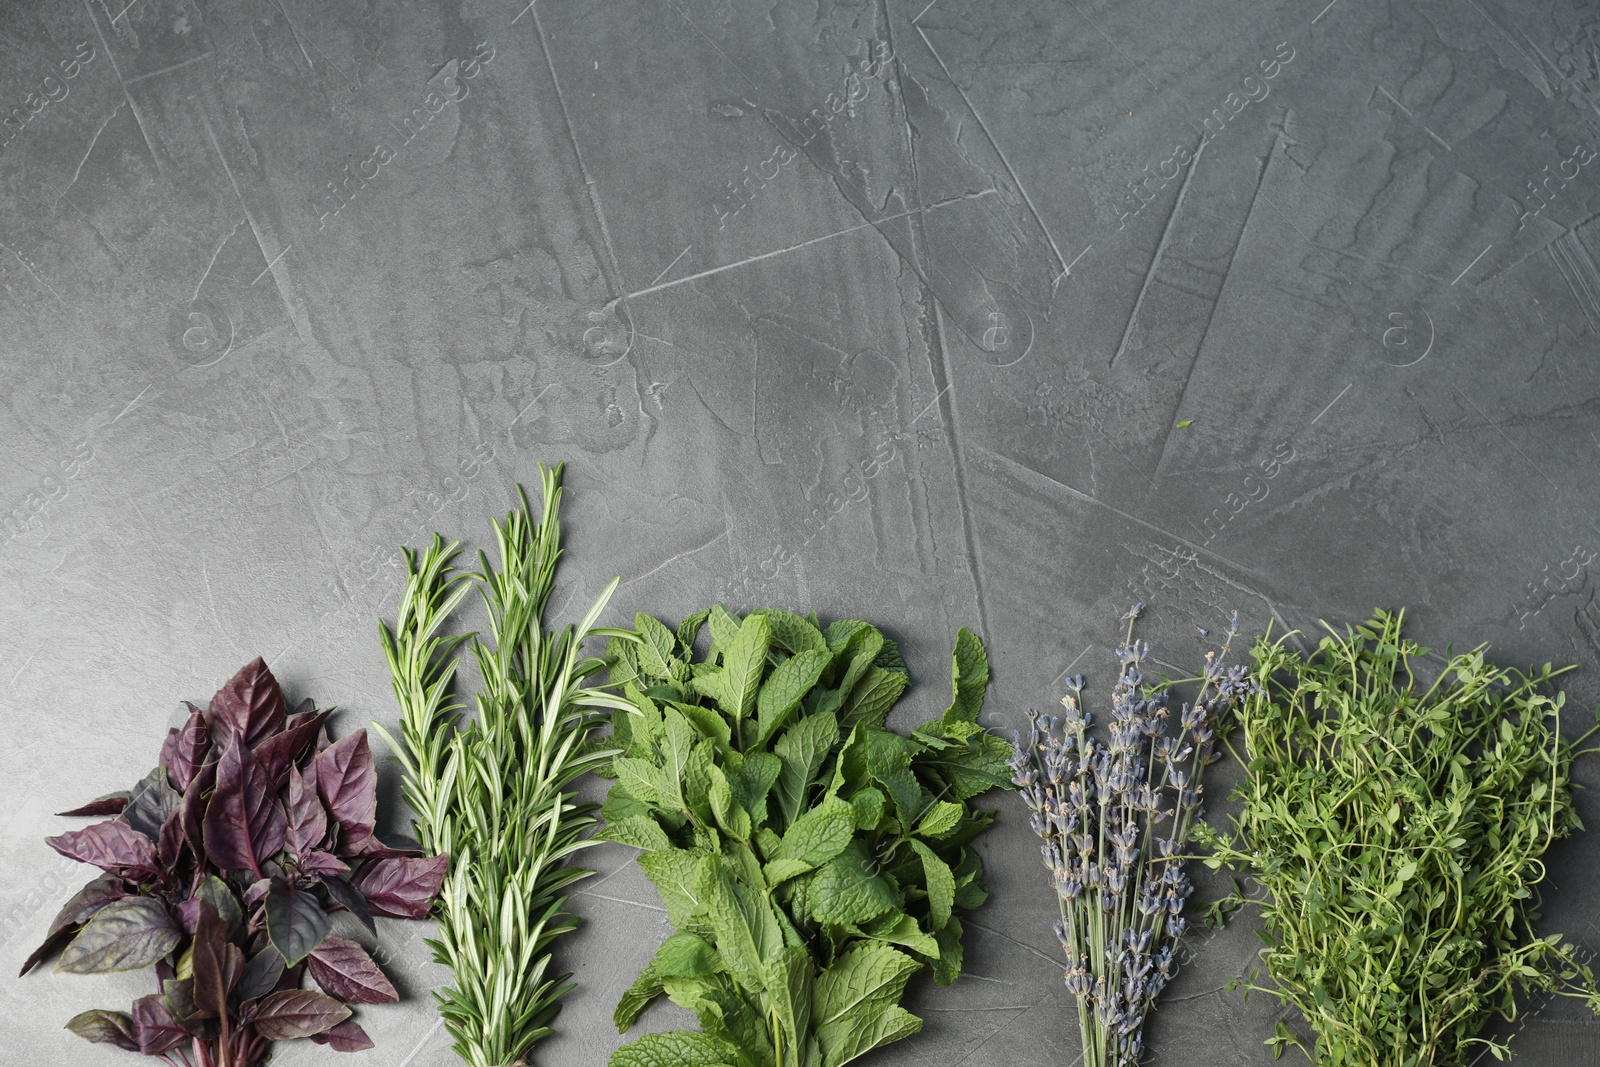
493, 792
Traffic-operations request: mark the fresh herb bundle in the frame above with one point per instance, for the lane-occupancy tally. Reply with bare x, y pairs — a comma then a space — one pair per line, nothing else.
222, 866
495, 792
1398, 829
810, 859
1114, 818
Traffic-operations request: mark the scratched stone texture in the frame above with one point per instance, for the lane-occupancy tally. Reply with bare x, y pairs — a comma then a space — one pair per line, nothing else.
935, 314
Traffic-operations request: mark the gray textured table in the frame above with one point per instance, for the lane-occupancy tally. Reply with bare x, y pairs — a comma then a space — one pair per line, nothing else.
936, 314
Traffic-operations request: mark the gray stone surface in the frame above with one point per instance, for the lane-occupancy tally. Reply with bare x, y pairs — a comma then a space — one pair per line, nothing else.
726, 259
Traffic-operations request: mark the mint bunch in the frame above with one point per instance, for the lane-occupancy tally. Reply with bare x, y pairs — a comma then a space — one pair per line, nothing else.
810, 859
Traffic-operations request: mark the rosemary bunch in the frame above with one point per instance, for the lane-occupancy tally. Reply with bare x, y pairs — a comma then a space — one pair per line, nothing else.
493, 792
1114, 817
1398, 829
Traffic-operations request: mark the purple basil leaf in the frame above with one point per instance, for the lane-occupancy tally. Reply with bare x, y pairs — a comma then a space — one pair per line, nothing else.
261, 974
88, 900
325, 864
401, 888
396, 845
344, 970
170, 842
257, 892
282, 751
220, 896
158, 1031
308, 819
169, 748
110, 804
50, 944
305, 707
126, 935
296, 923
349, 897
74, 913
153, 800
178, 993
192, 812
290, 979
217, 964
186, 749
348, 783
106, 1027
244, 823
112, 846
294, 1013
346, 1037
250, 704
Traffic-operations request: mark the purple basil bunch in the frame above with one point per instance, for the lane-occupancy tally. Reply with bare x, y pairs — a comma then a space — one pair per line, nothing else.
222, 868
1114, 815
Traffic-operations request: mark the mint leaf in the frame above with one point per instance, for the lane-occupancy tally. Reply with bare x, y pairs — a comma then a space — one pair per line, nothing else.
680, 956
732, 817
873, 696
969, 676
676, 748
723, 628
781, 693
707, 722
849, 888
856, 1002
868, 805
689, 629
889, 764
901, 929
948, 966
746, 931
675, 873
657, 648
792, 633
803, 749
820, 834
890, 659
857, 655
755, 781
841, 632
743, 659
787, 977
941, 818
941, 885
641, 778
640, 831
678, 1048
779, 871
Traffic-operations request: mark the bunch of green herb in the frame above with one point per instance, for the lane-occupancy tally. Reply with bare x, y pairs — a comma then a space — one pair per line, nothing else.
1398, 829
495, 792
810, 859
1114, 817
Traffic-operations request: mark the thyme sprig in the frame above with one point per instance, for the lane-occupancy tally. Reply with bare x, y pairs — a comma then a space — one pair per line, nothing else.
1399, 829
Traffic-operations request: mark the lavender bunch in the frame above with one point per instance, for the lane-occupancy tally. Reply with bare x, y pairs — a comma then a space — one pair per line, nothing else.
1114, 816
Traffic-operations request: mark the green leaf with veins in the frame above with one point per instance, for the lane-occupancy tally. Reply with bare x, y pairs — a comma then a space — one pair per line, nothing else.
788, 832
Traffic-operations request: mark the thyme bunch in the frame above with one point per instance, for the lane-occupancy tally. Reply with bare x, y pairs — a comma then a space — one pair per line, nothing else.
1398, 829
1114, 817
495, 792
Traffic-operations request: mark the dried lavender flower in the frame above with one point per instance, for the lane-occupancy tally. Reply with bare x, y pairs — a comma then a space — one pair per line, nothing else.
1114, 815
